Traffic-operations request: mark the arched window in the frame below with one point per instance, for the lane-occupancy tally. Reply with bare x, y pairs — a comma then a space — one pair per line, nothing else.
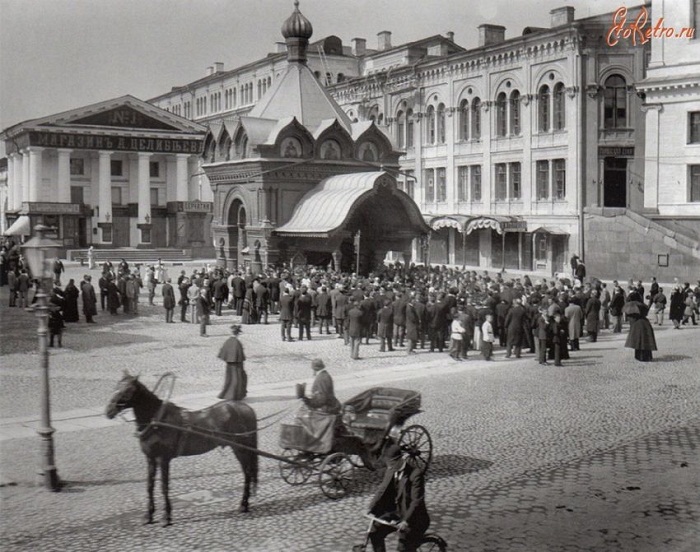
400, 130
615, 98
543, 108
441, 138
409, 128
430, 125
476, 119
501, 115
380, 119
464, 120
515, 113
559, 107
340, 78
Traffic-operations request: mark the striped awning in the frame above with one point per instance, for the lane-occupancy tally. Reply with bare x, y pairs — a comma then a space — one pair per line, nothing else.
499, 223
554, 230
449, 221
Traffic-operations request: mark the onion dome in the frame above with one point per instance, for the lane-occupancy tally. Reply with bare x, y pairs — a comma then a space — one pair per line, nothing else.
297, 26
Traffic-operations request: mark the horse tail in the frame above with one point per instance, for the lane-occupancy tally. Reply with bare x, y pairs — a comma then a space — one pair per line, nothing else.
255, 460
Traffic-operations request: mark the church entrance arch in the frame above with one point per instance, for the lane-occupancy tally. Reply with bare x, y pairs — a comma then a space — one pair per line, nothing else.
237, 238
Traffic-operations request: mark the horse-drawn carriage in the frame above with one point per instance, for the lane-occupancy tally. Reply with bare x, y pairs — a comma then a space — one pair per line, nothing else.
333, 446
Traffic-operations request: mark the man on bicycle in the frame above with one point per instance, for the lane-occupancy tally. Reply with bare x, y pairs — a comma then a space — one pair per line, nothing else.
400, 498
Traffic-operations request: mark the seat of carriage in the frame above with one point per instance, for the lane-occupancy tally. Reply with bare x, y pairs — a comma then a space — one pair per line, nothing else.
379, 408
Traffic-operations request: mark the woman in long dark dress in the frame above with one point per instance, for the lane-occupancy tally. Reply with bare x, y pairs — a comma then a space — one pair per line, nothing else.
641, 335
70, 308
236, 382
677, 308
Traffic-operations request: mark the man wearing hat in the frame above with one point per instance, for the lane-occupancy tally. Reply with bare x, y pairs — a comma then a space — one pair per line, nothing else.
400, 497
236, 382
322, 396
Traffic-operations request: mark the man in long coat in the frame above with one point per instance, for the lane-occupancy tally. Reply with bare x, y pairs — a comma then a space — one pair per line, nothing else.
236, 382
593, 316
303, 313
412, 326
168, 301
355, 330
324, 310
286, 315
385, 326
339, 301
514, 328
89, 299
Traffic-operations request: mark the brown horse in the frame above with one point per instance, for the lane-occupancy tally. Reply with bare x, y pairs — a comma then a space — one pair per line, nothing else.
157, 422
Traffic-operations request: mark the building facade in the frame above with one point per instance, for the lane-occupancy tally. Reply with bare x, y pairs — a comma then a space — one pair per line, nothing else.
114, 174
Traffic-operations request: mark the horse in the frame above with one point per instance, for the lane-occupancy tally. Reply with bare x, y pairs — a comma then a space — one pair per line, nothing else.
223, 423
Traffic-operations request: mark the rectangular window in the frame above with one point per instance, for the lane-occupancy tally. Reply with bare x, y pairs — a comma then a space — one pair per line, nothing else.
155, 169
515, 187
462, 183
116, 195
429, 185
409, 130
76, 194
559, 169
476, 183
77, 166
501, 182
116, 167
694, 127
154, 196
694, 183
410, 184
542, 180
441, 185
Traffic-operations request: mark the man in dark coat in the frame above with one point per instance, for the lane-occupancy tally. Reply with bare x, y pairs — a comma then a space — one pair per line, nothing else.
238, 285
70, 307
338, 302
286, 315
236, 382
113, 297
324, 310
593, 316
399, 308
544, 335
421, 312
303, 310
89, 299
169, 301
412, 326
502, 309
385, 326
616, 304
514, 327
369, 309
400, 497
220, 294
437, 325
204, 307
355, 331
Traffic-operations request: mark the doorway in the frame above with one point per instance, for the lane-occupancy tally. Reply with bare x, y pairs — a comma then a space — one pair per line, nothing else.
615, 182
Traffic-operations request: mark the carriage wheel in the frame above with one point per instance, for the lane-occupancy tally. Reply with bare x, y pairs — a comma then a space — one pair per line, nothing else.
299, 473
417, 445
335, 474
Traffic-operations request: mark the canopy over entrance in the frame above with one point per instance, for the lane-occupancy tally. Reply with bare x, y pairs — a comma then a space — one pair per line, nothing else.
459, 222
20, 227
498, 223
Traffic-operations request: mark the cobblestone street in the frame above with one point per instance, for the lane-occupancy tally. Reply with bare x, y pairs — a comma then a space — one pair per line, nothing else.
599, 455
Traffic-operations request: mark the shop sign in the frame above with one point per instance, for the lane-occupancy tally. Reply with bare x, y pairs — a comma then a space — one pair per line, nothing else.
197, 206
115, 143
54, 208
514, 226
615, 151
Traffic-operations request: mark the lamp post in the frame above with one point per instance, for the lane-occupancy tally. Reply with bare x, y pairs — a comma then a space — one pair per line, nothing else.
39, 251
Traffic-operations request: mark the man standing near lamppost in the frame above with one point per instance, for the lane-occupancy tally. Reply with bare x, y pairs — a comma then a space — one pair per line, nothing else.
38, 251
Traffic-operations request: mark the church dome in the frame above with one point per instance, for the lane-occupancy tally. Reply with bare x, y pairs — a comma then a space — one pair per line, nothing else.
297, 26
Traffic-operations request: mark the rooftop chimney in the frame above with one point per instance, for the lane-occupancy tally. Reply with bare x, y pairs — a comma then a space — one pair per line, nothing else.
210, 70
359, 46
562, 16
491, 34
383, 40
450, 36
218, 67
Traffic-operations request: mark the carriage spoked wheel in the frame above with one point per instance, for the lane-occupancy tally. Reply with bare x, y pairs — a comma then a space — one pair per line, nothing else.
335, 475
417, 445
299, 472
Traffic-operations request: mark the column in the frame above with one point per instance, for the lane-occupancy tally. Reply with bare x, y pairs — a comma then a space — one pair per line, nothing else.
104, 187
63, 179
11, 182
25, 176
181, 177
35, 172
144, 197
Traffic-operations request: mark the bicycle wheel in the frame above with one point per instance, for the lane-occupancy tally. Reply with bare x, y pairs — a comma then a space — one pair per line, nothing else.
432, 543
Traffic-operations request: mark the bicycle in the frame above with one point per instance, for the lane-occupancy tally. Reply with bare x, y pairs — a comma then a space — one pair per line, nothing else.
429, 542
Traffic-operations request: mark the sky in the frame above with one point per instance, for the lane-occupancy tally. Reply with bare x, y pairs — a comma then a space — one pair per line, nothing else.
57, 55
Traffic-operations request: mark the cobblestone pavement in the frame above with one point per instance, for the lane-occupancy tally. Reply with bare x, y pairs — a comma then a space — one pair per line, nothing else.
599, 455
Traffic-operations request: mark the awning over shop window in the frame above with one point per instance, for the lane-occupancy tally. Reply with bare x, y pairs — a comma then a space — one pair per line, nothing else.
553, 230
449, 221
498, 223
20, 227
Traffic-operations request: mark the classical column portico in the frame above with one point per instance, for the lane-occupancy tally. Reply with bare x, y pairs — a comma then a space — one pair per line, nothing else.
35, 174
25, 176
63, 180
11, 183
104, 187
181, 177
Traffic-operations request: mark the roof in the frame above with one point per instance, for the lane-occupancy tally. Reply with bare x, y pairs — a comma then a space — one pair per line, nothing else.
298, 94
327, 207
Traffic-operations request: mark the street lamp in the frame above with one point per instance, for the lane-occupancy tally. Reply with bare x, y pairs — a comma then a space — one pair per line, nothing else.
38, 252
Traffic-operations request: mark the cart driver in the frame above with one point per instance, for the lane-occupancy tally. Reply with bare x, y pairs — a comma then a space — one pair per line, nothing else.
322, 396
400, 498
